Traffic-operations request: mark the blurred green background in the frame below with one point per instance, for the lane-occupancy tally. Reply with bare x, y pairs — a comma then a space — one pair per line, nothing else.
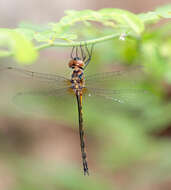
128, 145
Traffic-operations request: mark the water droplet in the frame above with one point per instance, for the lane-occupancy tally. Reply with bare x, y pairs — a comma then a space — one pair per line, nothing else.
117, 100
122, 36
120, 101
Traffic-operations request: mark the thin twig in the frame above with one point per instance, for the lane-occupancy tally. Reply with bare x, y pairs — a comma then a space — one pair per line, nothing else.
72, 44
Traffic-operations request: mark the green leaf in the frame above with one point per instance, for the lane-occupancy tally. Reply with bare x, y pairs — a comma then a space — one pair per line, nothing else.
149, 17
125, 18
4, 53
164, 11
20, 47
29, 34
33, 27
115, 18
45, 36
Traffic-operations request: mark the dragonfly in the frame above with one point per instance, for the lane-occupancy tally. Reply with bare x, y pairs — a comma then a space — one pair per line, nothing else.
79, 86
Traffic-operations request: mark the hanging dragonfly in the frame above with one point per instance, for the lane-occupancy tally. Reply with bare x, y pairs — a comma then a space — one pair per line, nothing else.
78, 85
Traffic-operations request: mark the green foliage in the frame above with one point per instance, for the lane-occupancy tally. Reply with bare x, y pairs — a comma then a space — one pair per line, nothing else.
164, 11
156, 15
18, 43
53, 178
117, 21
149, 17
125, 135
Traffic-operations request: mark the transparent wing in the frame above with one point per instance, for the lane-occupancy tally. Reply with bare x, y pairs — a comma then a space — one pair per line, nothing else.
48, 92
98, 77
114, 77
119, 96
58, 103
57, 80
48, 97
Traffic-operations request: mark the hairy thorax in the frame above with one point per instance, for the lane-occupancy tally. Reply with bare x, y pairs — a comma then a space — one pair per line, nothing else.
77, 79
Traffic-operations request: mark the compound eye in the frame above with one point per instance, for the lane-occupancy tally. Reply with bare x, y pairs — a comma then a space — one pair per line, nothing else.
71, 64
76, 58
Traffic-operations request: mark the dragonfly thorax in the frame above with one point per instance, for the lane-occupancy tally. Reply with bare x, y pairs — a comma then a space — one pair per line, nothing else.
76, 62
77, 79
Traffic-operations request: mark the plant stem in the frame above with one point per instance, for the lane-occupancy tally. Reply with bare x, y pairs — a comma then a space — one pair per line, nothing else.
69, 44
62, 44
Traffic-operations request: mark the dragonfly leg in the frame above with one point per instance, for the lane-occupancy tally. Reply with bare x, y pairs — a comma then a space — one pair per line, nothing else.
89, 55
76, 51
72, 52
82, 53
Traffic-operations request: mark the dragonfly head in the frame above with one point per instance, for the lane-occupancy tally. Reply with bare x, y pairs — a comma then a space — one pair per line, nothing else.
76, 62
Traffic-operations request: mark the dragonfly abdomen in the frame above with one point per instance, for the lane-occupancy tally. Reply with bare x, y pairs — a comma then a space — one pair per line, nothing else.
81, 132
